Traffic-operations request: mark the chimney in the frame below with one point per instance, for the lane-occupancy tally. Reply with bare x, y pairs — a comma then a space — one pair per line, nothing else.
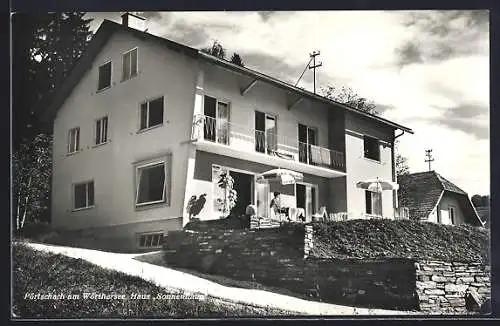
134, 21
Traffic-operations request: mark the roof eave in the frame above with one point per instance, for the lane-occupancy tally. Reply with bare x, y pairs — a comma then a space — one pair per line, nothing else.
286, 86
108, 27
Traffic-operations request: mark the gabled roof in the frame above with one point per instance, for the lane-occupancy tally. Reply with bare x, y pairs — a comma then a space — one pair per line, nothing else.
422, 191
108, 27
484, 214
419, 192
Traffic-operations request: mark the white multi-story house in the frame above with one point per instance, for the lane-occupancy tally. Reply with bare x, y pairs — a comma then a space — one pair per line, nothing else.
143, 124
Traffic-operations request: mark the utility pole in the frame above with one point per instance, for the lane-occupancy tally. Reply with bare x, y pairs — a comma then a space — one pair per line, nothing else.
429, 158
314, 66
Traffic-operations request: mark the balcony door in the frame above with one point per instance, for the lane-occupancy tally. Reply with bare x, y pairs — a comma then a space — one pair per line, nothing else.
306, 198
265, 133
216, 120
307, 137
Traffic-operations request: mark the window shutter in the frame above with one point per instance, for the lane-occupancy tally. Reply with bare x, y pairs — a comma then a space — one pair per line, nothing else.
144, 116
126, 66
377, 203
133, 66
368, 202
90, 190
77, 139
105, 129
98, 132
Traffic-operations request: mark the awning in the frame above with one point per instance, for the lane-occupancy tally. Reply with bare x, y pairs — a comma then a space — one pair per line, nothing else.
377, 185
284, 176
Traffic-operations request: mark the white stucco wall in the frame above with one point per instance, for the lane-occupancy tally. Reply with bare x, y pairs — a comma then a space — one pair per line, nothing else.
443, 207
225, 85
162, 72
359, 168
449, 200
433, 216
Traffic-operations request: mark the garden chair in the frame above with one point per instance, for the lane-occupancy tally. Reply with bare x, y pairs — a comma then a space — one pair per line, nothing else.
321, 215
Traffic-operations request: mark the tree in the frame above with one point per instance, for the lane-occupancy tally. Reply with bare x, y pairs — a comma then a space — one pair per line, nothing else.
217, 50
480, 201
45, 47
31, 167
402, 167
346, 95
476, 200
236, 59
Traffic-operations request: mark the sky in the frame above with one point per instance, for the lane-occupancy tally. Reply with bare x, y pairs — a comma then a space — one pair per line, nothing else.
427, 70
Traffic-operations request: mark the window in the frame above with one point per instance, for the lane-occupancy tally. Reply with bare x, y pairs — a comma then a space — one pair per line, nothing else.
129, 61
217, 116
151, 113
74, 140
150, 240
372, 148
373, 202
452, 214
265, 133
150, 184
83, 195
101, 131
308, 137
104, 76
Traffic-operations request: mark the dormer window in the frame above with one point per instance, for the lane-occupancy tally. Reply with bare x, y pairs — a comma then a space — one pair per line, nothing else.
129, 64
104, 76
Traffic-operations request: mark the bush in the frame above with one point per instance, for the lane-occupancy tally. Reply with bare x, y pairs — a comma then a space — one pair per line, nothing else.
400, 239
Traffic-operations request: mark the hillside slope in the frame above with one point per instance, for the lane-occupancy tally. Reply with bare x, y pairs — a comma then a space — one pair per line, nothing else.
400, 239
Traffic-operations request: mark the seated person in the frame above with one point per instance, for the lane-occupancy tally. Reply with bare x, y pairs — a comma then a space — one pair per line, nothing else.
276, 206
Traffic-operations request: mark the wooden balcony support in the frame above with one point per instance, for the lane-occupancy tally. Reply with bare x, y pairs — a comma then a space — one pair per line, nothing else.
297, 101
245, 89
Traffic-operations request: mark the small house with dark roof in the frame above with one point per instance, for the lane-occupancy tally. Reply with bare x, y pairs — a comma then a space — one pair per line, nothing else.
432, 198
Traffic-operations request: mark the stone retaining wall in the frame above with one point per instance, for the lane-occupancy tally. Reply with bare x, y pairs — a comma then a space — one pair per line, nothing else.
275, 257
281, 258
442, 287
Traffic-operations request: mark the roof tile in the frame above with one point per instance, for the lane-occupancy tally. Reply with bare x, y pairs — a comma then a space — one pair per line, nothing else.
421, 191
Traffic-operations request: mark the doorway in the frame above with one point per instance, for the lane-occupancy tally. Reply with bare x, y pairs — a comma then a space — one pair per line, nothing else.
307, 138
266, 140
306, 198
216, 120
243, 184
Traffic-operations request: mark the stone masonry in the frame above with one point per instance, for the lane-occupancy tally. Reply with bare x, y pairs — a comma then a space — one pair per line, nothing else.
442, 286
308, 240
282, 257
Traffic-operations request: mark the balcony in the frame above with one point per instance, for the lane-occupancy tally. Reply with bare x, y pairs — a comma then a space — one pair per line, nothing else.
226, 138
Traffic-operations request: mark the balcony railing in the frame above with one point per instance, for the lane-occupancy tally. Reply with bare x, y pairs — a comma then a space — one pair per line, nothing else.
402, 213
243, 138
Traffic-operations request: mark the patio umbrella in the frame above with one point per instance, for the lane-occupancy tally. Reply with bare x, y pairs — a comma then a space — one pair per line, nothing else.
285, 177
377, 185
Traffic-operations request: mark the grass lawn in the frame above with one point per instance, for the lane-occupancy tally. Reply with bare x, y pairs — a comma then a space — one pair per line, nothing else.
39, 274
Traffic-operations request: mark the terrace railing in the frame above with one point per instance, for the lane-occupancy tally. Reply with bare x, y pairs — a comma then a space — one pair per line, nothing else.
244, 138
